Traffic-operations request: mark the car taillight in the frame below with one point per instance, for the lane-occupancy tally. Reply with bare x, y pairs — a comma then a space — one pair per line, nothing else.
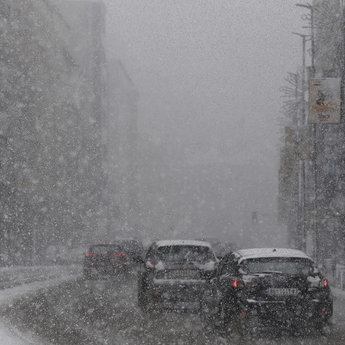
120, 255
90, 255
236, 283
317, 283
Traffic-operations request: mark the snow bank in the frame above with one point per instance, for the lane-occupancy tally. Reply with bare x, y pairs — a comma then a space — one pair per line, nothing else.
9, 335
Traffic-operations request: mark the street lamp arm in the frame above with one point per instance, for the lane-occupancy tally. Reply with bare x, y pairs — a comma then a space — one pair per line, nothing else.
305, 5
302, 35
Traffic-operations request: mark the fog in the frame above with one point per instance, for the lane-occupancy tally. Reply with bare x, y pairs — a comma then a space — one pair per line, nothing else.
208, 77
144, 145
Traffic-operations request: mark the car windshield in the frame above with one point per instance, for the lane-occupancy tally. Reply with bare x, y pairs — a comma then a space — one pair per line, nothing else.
295, 266
185, 253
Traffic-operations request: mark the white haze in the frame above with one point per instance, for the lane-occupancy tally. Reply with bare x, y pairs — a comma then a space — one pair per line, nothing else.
208, 74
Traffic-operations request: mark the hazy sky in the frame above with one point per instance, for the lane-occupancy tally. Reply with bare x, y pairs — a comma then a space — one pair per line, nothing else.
208, 75
209, 72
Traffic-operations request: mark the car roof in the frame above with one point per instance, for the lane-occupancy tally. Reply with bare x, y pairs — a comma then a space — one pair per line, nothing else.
253, 253
182, 243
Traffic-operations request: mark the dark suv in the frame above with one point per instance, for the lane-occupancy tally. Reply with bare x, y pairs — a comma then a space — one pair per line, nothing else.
258, 289
174, 272
105, 259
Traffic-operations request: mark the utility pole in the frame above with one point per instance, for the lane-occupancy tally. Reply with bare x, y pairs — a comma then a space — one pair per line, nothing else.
302, 174
313, 134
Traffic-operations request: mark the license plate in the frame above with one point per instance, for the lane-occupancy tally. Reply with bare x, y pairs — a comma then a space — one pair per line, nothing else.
282, 291
185, 274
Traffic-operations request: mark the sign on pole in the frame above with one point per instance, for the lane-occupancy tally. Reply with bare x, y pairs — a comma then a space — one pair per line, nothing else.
324, 100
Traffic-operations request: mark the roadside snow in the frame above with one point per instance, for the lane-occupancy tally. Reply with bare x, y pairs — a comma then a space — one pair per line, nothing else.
9, 335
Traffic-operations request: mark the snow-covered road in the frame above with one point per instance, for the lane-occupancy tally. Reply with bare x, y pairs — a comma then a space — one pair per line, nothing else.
19, 282
106, 312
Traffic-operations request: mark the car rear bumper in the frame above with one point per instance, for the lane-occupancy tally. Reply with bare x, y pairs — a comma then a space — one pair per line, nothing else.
294, 313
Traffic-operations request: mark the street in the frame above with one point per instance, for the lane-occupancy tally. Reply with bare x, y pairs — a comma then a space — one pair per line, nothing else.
105, 311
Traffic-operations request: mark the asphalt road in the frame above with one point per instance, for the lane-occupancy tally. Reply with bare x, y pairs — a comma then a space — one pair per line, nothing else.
105, 312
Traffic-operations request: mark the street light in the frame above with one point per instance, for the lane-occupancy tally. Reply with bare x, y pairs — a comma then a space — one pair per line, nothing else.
311, 8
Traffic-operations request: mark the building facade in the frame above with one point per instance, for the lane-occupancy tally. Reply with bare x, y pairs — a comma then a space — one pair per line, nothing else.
122, 160
51, 130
